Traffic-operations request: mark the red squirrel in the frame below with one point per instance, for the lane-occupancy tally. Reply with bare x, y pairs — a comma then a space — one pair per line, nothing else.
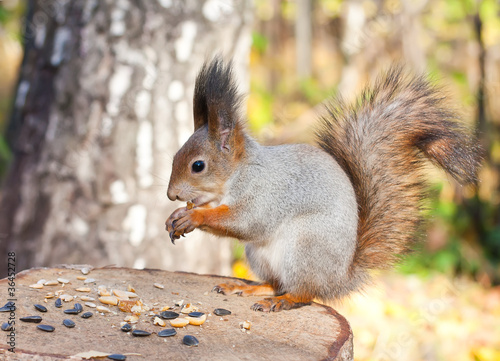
316, 219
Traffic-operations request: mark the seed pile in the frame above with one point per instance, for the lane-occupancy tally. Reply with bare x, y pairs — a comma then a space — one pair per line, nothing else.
163, 319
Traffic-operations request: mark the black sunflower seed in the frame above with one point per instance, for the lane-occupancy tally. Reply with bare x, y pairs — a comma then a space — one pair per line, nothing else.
78, 307
9, 306
195, 314
68, 323
169, 315
126, 327
140, 333
117, 357
167, 332
190, 341
32, 319
46, 328
221, 312
58, 303
71, 311
41, 308
87, 315
7, 327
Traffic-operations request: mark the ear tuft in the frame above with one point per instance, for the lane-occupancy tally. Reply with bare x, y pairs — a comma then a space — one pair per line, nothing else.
217, 100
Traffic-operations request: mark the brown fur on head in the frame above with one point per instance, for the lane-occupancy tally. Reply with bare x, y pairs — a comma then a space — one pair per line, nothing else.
208, 158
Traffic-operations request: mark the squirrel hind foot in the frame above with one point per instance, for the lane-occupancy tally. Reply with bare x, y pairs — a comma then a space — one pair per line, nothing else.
241, 289
283, 302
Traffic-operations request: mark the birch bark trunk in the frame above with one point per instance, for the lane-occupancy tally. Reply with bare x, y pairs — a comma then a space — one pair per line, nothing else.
103, 102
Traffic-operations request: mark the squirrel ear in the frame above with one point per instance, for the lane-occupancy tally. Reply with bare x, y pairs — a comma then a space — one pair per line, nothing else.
224, 135
221, 129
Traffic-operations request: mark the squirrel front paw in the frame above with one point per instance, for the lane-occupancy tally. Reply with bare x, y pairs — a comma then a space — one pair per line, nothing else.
182, 221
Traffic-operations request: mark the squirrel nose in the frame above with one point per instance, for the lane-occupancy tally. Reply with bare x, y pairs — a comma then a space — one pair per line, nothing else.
171, 194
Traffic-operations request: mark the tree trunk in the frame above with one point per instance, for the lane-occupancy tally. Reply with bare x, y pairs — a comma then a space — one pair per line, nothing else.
103, 103
315, 332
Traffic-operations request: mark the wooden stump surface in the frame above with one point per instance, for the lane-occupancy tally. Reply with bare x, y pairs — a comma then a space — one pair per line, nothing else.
315, 332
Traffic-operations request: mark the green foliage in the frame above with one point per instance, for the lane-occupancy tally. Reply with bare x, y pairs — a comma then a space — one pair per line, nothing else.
450, 260
259, 42
10, 18
313, 92
238, 250
488, 10
5, 155
5, 15
462, 253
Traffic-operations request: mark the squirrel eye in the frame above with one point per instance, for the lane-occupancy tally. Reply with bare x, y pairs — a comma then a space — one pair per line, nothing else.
198, 166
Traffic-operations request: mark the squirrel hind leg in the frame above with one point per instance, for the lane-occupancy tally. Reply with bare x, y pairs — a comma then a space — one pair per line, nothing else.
242, 289
283, 302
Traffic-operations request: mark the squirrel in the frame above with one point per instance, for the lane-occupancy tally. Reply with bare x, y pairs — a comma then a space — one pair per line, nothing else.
316, 219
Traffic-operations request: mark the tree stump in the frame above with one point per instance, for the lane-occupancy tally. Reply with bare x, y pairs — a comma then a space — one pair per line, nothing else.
315, 332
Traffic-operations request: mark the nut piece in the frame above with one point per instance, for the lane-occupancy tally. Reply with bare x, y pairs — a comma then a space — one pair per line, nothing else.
126, 305
197, 321
190, 205
103, 309
159, 285
109, 300
51, 283
102, 291
132, 319
38, 286
83, 289
139, 308
188, 308
245, 325
66, 298
179, 322
63, 280
158, 321
125, 295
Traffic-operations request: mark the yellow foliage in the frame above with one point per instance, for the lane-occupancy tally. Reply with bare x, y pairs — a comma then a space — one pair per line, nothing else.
241, 270
485, 354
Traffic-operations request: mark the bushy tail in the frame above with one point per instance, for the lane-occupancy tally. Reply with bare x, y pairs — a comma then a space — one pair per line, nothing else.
381, 142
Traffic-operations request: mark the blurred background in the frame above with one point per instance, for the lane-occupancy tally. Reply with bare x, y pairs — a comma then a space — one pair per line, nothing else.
95, 99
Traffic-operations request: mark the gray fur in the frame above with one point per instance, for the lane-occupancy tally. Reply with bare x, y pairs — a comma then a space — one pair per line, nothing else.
294, 200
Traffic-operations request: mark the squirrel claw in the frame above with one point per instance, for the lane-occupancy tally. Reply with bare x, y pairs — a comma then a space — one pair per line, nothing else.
173, 237
218, 289
258, 307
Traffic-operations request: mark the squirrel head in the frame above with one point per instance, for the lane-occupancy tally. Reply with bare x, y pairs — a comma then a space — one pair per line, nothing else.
208, 158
